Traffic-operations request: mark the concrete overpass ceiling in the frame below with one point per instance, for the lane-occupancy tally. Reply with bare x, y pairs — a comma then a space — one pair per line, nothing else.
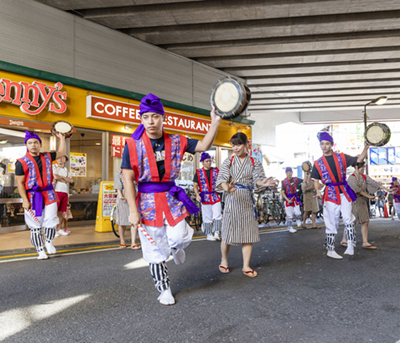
308, 55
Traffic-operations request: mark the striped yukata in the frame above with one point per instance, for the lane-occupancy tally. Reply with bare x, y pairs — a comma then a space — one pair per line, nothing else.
239, 224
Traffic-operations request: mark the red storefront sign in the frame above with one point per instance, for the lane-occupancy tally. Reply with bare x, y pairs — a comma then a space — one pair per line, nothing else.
33, 98
117, 145
129, 113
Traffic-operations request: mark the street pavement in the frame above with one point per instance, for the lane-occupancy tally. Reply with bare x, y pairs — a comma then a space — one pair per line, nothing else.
299, 296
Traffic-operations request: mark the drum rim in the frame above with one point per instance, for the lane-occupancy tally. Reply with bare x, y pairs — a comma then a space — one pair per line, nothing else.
69, 133
384, 141
309, 164
241, 104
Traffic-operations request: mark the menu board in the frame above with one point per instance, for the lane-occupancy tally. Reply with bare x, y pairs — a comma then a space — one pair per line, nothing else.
109, 198
373, 155
77, 164
391, 155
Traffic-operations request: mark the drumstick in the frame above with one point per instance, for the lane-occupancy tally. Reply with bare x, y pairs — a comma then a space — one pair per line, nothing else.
33, 216
140, 227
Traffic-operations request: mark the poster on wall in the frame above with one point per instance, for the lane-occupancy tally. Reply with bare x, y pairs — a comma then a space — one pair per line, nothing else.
256, 152
373, 155
391, 155
382, 155
77, 164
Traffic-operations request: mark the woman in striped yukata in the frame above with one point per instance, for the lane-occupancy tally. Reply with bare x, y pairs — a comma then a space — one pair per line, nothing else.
238, 176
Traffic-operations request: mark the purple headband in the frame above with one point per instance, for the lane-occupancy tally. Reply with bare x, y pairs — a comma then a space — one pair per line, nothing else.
205, 156
288, 169
150, 103
30, 135
393, 180
325, 136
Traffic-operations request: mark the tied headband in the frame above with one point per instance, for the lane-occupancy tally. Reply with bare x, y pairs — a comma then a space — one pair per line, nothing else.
30, 135
288, 169
205, 156
325, 136
150, 103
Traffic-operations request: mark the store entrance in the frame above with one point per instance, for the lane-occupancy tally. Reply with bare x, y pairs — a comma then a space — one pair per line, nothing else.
12, 146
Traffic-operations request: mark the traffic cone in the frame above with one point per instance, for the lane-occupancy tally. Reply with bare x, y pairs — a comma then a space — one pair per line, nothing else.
385, 212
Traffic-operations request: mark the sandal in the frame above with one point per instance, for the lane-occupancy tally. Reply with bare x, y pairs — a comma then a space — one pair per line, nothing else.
122, 246
251, 273
135, 247
369, 246
343, 244
315, 227
224, 270
304, 226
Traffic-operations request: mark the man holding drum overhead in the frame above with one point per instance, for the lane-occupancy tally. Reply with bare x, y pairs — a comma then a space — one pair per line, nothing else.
292, 203
153, 158
34, 175
330, 168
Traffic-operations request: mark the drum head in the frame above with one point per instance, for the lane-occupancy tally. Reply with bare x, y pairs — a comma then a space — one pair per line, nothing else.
377, 134
229, 97
63, 127
306, 166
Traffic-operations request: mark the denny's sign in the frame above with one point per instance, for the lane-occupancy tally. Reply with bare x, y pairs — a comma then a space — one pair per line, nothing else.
129, 113
33, 98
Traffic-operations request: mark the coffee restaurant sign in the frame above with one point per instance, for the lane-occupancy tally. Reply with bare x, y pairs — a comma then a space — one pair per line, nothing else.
124, 112
33, 98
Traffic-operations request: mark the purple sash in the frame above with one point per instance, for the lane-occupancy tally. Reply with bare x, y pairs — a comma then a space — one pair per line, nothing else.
291, 196
349, 190
170, 187
395, 196
37, 198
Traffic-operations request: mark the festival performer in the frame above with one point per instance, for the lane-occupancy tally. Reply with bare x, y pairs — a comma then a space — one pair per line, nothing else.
238, 176
362, 185
292, 203
330, 168
394, 186
310, 201
34, 176
153, 158
206, 178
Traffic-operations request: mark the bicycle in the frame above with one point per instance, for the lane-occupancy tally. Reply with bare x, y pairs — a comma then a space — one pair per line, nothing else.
113, 225
268, 208
194, 220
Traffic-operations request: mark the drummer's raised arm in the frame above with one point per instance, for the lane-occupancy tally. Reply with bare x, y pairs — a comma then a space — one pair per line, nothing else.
364, 153
62, 147
208, 139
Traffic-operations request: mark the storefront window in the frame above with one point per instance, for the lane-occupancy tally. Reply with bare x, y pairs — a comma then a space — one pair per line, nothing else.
85, 162
225, 153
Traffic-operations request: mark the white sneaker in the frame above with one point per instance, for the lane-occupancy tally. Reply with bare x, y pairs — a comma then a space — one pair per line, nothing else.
298, 222
42, 255
62, 232
216, 236
50, 248
166, 297
291, 230
57, 234
333, 254
179, 255
349, 250
210, 237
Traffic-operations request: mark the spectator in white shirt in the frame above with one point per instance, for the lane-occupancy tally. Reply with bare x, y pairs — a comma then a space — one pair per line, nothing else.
61, 186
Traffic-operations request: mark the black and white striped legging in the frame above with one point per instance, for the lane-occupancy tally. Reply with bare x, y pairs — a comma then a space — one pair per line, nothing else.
50, 233
37, 239
159, 272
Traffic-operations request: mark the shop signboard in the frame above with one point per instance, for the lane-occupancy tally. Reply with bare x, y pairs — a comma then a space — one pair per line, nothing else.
124, 112
77, 164
384, 170
33, 98
373, 155
391, 155
106, 202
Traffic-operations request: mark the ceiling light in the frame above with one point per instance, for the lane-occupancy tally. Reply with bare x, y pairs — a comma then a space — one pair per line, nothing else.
128, 127
232, 124
98, 143
37, 130
380, 101
4, 142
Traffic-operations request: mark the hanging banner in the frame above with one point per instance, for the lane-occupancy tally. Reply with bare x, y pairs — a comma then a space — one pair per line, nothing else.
117, 145
77, 164
125, 112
